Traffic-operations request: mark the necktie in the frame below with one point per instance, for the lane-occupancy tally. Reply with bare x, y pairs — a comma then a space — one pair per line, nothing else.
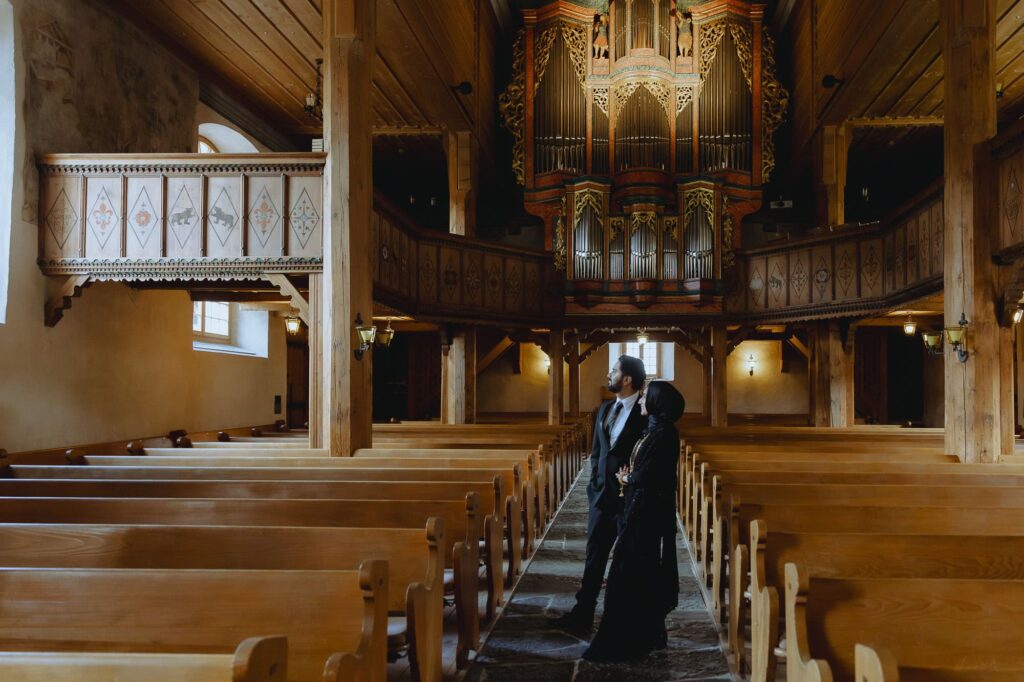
616, 409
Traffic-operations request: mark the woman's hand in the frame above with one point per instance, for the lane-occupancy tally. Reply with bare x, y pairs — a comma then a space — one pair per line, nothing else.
622, 475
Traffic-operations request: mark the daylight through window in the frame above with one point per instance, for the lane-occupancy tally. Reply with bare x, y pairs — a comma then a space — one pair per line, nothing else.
211, 318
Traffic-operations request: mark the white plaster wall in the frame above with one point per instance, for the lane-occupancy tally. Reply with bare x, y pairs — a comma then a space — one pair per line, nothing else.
769, 390
120, 364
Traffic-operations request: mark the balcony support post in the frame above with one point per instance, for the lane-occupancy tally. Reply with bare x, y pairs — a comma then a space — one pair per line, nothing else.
719, 398
556, 354
347, 395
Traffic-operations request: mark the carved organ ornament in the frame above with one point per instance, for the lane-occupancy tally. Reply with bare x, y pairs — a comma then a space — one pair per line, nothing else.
640, 100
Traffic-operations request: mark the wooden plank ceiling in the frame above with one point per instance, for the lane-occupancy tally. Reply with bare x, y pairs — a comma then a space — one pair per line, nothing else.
889, 53
265, 51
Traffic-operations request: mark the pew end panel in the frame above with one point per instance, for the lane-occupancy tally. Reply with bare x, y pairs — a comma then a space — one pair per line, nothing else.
800, 667
874, 664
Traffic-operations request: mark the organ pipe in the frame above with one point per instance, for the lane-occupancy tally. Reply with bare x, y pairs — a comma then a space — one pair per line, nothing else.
620, 28
641, 133
588, 240
726, 113
560, 140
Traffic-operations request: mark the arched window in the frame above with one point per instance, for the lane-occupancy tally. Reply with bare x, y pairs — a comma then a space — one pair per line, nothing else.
223, 140
8, 105
207, 147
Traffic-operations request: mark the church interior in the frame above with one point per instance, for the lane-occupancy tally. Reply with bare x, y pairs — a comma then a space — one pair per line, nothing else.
311, 313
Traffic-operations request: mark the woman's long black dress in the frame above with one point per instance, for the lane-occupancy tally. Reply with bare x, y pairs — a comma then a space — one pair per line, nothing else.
643, 581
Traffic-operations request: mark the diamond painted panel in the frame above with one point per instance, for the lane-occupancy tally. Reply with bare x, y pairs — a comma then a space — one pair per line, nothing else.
494, 280
428, 273
266, 199
532, 288
846, 271
513, 285
223, 220
821, 275
756, 283
62, 217
305, 216
473, 285
451, 276
871, 268
145, 222
184, 217
776, 281
1010, 198
103, 217
799, 278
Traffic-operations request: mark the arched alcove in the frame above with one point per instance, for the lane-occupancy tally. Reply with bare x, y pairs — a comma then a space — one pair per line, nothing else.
226, 140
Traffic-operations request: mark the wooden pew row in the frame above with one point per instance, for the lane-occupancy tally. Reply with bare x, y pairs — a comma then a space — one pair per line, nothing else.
492, 529
942, 629
836, 519
526, 485
257, 659
322, 613
876, 664
459, 517
517, 535
527, 460
414, 557
874, 554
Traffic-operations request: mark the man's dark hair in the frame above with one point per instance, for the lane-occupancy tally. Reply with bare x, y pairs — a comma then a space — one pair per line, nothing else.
633, 368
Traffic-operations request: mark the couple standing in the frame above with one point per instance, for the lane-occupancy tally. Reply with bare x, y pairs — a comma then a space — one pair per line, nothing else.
632, 490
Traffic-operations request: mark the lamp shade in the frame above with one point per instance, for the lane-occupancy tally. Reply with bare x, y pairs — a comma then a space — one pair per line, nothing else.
641, 337
384, 336
366, 334
292, 324
955, 335
910, 327
932, 340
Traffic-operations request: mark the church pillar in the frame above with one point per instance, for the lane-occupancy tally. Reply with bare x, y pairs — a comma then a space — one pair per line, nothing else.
834, 153
706, 380
315, 404
574, 376
347, 393
719, 399
818, 375
556, 349
454, 379
840, 375
975, 424
461, 181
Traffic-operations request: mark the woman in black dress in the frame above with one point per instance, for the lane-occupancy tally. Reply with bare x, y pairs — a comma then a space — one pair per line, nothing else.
643, 582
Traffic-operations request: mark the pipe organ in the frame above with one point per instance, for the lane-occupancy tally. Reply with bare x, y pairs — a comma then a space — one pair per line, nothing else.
641, 134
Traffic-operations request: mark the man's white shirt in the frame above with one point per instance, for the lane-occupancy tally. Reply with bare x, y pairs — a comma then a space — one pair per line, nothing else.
620, 421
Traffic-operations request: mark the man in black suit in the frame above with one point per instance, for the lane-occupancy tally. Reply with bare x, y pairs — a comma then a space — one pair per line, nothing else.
617, 428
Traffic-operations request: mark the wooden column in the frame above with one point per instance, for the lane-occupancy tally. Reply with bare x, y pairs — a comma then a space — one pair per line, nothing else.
840, 375
461, 181
706, 369
347, 410
446, 344
454, 379
834, 154
574, 376
315, 404
556, 348
1019, 373
470, 374
975, 427
719, 398
819, 368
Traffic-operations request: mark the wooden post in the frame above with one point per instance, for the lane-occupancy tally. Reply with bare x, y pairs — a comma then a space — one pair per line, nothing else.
834, 153
556, 348
453, 376
975, 428
315, 406
819, 375
840, 376
347, 411
461, 181
574, 376
1019, 373
719, 398
470, 375
706, 368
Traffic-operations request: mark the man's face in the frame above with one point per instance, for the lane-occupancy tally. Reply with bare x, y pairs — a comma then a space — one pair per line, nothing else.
615, 379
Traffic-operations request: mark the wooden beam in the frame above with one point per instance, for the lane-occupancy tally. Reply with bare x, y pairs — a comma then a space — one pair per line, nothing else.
574, 376
894, 121
60, 297
840, 377
719, 398
799, 345
975, 428
556, 406
349, 47
290, 291
493, 354
418, 131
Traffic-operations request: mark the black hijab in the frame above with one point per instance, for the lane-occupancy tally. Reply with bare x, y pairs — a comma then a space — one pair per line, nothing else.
664, 404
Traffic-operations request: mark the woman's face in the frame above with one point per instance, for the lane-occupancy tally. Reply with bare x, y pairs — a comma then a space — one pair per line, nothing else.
643, 403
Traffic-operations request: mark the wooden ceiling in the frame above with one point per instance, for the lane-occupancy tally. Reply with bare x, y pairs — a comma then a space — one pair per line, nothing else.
265, 51
889, 54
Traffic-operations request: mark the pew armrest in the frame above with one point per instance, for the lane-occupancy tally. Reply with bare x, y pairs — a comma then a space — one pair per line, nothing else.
800, 667
874, 665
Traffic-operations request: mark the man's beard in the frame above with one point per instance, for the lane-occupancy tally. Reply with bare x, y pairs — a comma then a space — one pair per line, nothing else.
615, 388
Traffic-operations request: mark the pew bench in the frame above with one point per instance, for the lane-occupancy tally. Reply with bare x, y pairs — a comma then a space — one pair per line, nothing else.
335, 621
257, 659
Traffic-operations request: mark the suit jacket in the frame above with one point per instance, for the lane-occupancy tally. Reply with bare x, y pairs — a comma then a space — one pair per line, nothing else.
605, 460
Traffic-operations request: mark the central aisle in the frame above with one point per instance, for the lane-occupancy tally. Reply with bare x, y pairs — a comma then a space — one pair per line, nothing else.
522, 647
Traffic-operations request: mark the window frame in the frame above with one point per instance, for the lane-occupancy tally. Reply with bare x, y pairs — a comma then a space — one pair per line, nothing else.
205, 140
202, 334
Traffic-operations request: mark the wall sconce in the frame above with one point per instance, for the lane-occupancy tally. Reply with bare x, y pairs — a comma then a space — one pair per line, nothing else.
547, 363
999, 91
750, 363
366, 336
385, 336
957, 338
909, 327
292, 324
932, 342
314, 101
1018, 314
641, 336
829, 81
463, 88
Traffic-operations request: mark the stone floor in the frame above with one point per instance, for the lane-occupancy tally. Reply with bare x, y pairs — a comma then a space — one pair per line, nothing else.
521, 646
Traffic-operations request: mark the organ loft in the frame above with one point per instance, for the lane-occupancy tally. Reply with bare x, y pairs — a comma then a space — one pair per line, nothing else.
481, 340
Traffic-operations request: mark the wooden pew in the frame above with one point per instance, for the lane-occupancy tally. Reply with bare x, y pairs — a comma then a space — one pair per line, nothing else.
515, 532
862, 555
257, 659
204, 611
491, 528
460, 521
415, 560
933, 624
876, 664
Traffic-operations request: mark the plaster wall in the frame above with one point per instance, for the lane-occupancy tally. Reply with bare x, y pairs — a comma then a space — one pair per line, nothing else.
769, 390
120, 364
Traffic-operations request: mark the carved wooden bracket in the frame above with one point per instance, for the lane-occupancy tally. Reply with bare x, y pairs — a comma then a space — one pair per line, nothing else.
287, 288
60, 300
